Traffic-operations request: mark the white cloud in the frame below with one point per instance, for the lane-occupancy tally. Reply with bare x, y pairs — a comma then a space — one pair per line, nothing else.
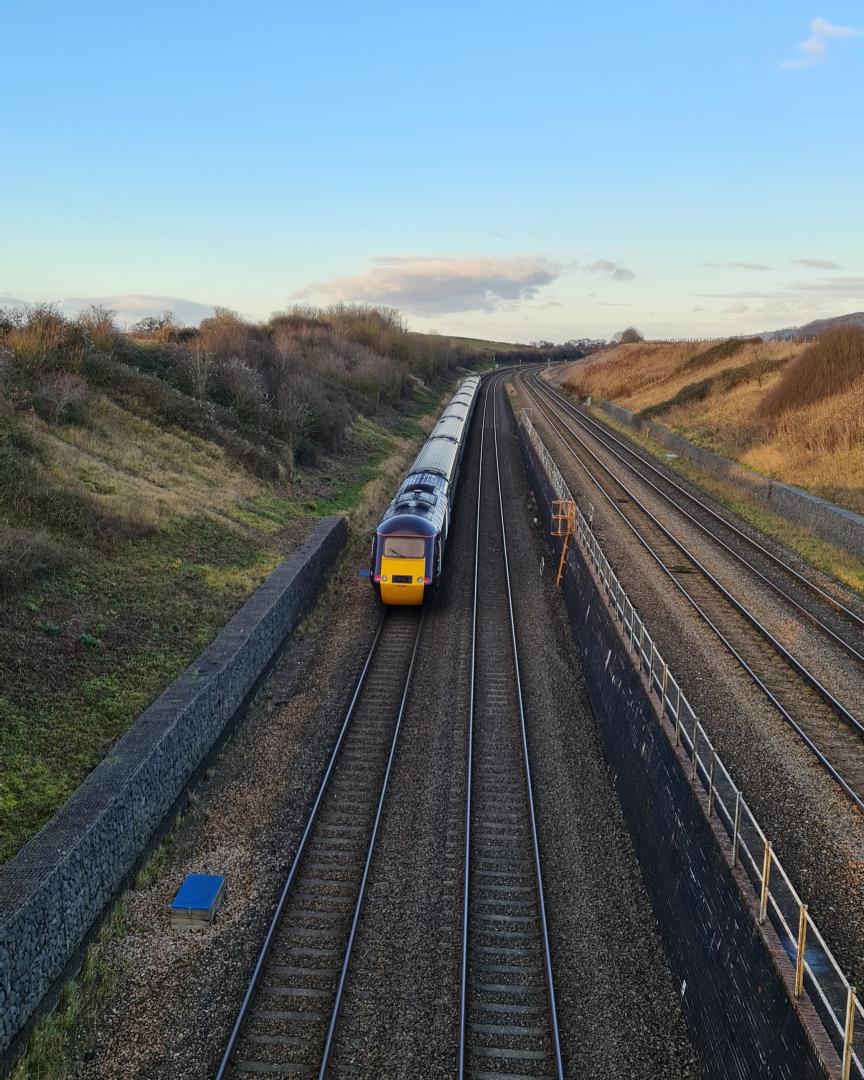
614, 271
130, 308
737, 266
127, 309
817, 264
425, 285
814, 49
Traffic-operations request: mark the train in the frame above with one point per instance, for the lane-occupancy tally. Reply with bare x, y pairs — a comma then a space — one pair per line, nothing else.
408, 546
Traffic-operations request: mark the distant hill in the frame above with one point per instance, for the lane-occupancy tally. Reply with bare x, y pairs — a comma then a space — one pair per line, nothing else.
818, 326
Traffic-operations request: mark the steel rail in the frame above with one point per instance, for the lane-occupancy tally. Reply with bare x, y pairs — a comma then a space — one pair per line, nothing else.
276, 919
298, 857
535, 841
463, 982
808, 741
593, 427
790, 659
361, 894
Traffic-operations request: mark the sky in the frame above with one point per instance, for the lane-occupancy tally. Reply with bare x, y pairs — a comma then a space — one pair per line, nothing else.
504, 170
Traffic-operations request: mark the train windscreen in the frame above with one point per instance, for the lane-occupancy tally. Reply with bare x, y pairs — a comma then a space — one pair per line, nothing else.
404, 547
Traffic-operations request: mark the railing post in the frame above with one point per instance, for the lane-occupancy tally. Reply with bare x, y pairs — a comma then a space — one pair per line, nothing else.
736, 831
694, 768
651, 669
766, 874
665, 686
802, 946
711, 782
848, 1033
641, 639
678, 717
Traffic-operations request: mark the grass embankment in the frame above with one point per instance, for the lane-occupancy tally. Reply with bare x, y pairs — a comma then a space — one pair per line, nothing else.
790, 410
147, 488
53, 1050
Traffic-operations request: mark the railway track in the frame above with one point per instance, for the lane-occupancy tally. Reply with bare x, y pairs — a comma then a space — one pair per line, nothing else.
289, 1015
826, 725
508, 1024
829, 613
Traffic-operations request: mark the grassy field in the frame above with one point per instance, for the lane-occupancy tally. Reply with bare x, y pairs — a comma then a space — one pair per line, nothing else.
135, 518
790, 410
479, 345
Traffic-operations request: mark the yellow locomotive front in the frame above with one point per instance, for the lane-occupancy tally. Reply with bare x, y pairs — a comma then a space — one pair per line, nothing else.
403, 560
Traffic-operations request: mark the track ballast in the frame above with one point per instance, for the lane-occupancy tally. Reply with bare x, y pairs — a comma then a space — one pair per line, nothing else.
827, 726
290, 1012
508, 1018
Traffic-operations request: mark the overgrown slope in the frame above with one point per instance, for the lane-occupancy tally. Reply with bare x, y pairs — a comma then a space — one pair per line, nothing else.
790, 410
147, 486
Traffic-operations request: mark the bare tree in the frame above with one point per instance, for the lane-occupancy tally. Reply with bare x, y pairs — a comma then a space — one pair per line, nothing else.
630, 336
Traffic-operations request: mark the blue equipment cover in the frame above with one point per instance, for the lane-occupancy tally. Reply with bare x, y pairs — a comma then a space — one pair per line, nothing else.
199, 892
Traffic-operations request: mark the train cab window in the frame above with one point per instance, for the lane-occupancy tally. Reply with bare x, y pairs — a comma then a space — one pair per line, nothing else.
404, 547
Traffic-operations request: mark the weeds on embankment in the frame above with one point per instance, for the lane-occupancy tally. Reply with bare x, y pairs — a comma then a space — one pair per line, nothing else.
791, 410
148, 483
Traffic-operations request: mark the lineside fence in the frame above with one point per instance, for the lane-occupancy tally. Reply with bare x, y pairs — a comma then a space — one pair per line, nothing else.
815, 969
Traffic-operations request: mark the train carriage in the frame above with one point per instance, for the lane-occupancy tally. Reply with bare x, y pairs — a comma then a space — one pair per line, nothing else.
408, 549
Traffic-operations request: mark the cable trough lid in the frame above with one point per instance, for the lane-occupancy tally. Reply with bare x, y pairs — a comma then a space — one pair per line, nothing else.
197, 901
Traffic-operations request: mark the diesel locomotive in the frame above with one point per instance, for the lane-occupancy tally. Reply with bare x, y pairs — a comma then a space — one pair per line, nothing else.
409, 543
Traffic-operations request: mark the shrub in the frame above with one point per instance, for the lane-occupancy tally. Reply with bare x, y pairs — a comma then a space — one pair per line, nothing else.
97, 323
40, 337
829, 366
723, 350
61, 398
25, 556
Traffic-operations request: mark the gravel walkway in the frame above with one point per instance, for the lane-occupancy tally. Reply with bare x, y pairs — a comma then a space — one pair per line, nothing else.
177, 994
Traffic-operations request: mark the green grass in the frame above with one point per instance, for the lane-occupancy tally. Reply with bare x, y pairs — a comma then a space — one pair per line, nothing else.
485, 346
370, 444
125, 627
85, 649
824, 556
48, 1055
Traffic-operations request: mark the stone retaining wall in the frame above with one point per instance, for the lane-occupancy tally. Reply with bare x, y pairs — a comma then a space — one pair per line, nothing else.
838, 526
55, 889
730, 972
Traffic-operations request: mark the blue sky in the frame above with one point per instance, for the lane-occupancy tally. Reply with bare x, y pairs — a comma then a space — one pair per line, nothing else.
506, 170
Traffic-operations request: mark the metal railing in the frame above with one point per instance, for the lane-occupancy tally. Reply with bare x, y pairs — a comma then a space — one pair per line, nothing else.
815, 969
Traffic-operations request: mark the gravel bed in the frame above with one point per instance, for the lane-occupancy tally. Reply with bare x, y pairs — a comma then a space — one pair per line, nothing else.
618, 1009
811, 646
176, 994
400, 1016
817, 833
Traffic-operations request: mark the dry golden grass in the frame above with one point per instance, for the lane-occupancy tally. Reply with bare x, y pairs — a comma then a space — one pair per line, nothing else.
620, 374
798, 415
139, 472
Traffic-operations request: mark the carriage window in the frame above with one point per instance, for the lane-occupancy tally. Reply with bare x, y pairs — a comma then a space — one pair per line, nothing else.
404, 547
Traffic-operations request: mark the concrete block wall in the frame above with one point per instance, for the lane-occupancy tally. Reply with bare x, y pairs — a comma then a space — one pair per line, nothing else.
55, 889
838, 526
729, 971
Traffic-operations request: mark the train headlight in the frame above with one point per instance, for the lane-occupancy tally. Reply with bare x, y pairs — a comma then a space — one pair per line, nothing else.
426, 580
420, 580
377, 577
383, 577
